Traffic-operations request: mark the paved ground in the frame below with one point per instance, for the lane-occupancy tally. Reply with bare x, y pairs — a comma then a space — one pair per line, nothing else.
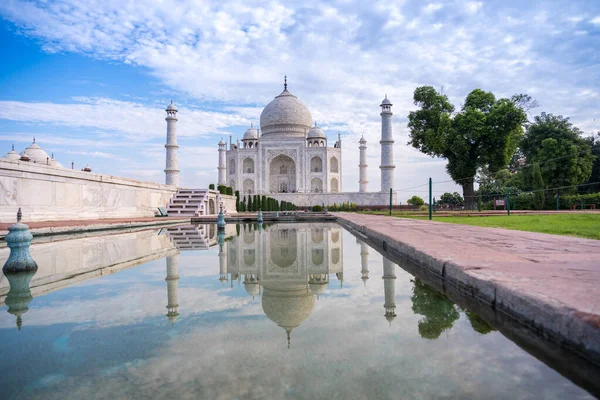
74, 226
550, 282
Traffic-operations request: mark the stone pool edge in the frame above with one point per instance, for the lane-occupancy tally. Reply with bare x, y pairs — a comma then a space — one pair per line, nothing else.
98, 225
577, 330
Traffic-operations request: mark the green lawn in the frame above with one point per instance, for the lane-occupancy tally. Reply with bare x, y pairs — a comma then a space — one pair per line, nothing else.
581, 225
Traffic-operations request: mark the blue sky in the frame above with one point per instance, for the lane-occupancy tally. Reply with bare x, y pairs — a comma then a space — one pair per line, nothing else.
91, 79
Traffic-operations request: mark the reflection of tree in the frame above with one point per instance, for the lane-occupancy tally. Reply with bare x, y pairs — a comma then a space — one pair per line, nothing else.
478, 324
439, 312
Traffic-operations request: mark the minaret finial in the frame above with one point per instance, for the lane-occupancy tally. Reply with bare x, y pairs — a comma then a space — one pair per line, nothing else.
13, 147
19, 215
288, 338
34, 139
285, 82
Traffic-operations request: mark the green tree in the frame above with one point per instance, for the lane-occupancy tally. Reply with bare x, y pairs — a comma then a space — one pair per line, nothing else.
484, 133
537, 185
565, 157
591, 185
451, 199
250, 205
439, 312
478, 324
416, 201
237, 200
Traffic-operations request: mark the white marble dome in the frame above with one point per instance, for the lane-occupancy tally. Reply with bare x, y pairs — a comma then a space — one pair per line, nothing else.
287, 306
12, 155
36, 153
285, 116
251, 133
171, 107
316, 133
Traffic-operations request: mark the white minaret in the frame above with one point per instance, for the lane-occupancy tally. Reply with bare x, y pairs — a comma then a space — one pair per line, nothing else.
362, 166
364, 261
172, 167
387, 146
389, 287
222, 164
172, 282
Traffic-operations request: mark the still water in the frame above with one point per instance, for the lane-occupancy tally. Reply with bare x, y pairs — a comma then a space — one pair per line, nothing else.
303, 311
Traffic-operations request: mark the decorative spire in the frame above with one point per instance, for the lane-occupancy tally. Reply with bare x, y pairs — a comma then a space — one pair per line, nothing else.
34, 139
19, 215
13, 147
315, 123
285, 82
251, 124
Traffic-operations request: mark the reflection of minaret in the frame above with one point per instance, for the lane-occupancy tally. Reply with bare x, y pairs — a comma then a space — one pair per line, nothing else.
19, 296
222, 258
172, 282
364, 260
389, 286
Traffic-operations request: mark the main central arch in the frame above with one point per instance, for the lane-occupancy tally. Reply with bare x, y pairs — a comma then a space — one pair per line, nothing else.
282, 175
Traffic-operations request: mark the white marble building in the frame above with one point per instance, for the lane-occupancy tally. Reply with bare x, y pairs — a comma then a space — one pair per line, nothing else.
290, 158
292, 155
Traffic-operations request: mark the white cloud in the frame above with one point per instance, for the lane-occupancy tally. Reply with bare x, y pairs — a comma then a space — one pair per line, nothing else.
473, 6
596, 20
432, 7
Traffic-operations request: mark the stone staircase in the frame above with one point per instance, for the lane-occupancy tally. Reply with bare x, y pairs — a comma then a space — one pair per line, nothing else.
192, 237
193, 203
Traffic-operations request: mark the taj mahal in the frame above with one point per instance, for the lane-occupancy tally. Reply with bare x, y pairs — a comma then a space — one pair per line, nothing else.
289, 157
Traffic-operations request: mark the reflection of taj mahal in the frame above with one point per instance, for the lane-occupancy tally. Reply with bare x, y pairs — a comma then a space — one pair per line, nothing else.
288, 265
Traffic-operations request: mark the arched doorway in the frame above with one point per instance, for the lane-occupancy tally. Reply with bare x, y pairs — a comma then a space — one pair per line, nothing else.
248, 186
211, 207
248, 165
334, 185
333, 165
316, 185
316, 164
282, 175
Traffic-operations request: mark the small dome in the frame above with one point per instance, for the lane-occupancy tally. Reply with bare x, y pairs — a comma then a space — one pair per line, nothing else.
316, 132
35, 154
386, 102
221, 143
285, 115
171, 107
87, 168
252, 288
251, 133
12, 155
362, 139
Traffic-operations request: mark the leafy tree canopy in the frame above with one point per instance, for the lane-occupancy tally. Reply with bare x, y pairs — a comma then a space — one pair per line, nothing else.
565, 157
416, 201
484, 133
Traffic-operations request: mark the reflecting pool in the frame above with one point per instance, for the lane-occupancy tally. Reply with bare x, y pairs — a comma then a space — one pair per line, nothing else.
298, 311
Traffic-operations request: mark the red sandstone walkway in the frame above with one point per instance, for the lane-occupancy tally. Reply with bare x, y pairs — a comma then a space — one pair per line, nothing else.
551, 281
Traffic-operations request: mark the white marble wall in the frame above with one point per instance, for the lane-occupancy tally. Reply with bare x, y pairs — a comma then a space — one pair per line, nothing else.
46, 194
363, 199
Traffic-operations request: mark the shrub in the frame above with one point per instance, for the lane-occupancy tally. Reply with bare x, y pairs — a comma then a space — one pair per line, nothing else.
424, 208
317, 208
229, 190
416, 201
211, 186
